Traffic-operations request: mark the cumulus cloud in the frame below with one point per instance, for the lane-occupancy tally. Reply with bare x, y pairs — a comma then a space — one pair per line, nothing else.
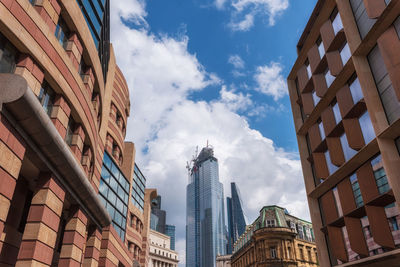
166, 125
236, 61
270, 80
243, 12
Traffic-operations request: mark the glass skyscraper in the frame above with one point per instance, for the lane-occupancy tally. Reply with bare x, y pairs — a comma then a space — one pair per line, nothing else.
170, 231
205, 217
236, 221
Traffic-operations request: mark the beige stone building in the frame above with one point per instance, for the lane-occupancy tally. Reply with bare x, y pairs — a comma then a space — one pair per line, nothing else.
161, 255
224, 261
276, 238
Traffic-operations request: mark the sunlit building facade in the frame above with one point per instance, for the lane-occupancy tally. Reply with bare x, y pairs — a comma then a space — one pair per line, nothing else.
345, 94
67, 175
276, 238
205, 216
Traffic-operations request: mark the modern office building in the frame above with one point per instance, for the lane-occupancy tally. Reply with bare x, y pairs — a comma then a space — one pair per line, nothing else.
161, 254
345, 94
236, 220
205, 216
170, 231
276, 238
67, 179
158, 215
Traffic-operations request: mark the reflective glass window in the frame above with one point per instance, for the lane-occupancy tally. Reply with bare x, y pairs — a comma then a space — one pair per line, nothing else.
113, 193
336, 113
337, 23
316, 98
356, 190
138, 188
380, 175
321, 130
329, 78
7, 56
356, 92
345, 53
46, 98
347, 150
367, 128
61, 32
332, 168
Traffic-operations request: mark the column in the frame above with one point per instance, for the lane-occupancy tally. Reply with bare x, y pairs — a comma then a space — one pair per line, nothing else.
60, 115
92, 251
43, 220
77, 142
74, 239
74, 50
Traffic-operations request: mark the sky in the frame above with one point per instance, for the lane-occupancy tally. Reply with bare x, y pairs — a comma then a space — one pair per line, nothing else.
213, 71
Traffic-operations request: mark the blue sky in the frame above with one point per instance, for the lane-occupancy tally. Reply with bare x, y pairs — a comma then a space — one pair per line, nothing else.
211, 39
216, 71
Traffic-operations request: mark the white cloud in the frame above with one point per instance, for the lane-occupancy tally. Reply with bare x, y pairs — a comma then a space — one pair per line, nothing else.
220, 3
245, 11
166, 125
244, 24
234, 101
270, 81
236, 61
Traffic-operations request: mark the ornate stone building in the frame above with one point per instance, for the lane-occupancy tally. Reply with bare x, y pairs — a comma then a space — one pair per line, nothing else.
223, 261
161, 254
70, 191
274, 239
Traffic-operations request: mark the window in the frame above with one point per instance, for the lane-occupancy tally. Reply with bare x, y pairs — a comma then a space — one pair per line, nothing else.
336, 22
380, 175
316, 98
301, 253
309, 73
46, 98
300, 231
366, 127
355, 90
356, 190
329, 78
321, 48
82, 68
394, 226
288, 253
345, 53
7, 56
321, 130
70, 131
309, 255
332, 168
270, 223
273, 252
336, 112
347, 150
114, 194
138, 187
61, 32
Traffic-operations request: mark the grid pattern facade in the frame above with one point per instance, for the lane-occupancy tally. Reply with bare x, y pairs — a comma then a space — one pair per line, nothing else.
114, 193
138, 186
205, 221
236, 221
170, 231
345, 95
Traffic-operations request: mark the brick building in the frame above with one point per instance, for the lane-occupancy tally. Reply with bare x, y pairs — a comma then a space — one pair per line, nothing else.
70, 191
276, 238
345, 94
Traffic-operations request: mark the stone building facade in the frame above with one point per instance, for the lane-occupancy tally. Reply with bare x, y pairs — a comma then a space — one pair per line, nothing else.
276, 238
223, 261
161, 254
345, 94
66, 175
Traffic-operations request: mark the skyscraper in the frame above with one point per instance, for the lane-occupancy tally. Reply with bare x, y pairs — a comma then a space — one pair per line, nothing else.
205, 218
170, 231
236, 221
345, 94
158, 216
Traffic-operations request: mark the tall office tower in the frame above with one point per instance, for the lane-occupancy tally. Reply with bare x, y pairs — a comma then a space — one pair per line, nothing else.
170, 231
158, 216
205, 217
236, 221
345, 94
66, 173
